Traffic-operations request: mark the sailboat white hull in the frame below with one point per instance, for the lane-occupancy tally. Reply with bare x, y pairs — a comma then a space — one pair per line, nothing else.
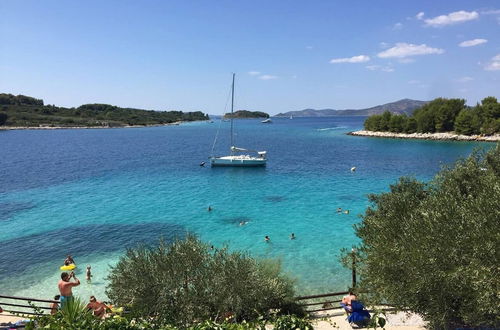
238, 161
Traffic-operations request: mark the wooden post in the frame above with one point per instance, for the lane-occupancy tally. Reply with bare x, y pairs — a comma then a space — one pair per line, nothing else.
353, 250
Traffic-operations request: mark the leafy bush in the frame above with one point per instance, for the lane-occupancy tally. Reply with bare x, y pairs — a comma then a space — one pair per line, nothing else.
186, 282
433, 247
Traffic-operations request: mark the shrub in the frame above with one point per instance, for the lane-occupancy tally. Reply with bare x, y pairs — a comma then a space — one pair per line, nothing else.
433, 247
186, 282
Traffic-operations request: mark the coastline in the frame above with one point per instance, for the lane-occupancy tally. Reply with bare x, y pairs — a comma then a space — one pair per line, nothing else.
449, 136
10, 128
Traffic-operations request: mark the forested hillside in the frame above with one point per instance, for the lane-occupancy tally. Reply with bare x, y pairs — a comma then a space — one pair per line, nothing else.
27, 111
244, 114
442, 115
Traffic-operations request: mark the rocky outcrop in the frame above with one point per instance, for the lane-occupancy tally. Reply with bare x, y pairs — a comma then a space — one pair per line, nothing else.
428, 136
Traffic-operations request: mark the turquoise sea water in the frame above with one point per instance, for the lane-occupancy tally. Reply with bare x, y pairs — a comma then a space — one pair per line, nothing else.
92, 193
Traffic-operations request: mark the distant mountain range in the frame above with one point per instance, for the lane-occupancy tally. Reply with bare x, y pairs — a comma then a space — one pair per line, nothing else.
404, 106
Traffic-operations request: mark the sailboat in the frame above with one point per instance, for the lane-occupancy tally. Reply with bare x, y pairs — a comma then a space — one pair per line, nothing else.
237, 158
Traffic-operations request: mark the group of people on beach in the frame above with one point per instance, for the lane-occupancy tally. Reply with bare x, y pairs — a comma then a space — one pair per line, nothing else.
65, 286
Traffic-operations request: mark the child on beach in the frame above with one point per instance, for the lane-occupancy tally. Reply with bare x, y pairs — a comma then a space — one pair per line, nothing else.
89, 273
54, 307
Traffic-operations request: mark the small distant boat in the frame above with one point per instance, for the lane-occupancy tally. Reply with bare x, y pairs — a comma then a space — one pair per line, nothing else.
266, 121
291, 117
238, 160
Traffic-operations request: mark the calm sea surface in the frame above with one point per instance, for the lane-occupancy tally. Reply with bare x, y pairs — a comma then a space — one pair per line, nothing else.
91, 193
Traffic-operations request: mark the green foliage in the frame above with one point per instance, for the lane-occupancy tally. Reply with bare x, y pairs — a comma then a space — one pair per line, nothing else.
442, 115
27, 111
247, 114
291, 322
19, 100
186, 282
3, 118
467, 122
433, 247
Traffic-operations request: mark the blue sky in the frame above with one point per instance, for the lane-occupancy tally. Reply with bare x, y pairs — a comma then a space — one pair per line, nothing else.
288, 55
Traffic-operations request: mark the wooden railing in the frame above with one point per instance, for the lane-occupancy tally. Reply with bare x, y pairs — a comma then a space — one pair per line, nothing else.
322, 302
25, 306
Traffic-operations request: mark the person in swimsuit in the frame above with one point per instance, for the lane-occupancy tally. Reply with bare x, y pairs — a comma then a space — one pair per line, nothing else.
54, 307
97, 307
65, 287
69, 260
89, 273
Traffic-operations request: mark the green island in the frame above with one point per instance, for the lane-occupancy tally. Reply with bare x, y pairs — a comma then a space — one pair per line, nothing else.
442, 116
29, 112
245, 114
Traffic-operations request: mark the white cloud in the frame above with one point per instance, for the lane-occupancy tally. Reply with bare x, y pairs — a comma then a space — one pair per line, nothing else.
267, 77
420, 15
383, 45
473, 42
309, 47
452, 18
402, 49
380, 68
414, 82
406, 60
397, 26
494, 64
254, 73
465, 79
354, 59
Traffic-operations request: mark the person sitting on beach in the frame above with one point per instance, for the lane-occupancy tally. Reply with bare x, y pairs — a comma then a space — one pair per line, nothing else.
89, 273
356, 312
347, 300
54, 307
69, 260
65, 287
267, 239
97, 307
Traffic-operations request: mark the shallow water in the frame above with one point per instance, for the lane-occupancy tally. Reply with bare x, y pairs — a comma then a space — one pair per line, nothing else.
92, 193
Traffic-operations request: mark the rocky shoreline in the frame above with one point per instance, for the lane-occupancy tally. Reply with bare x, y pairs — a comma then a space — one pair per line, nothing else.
44, 127
428, 136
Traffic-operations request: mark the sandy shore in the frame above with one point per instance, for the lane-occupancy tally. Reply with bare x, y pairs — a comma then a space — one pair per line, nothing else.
395, 320
428, 136
323, 321
8, 128
6, 317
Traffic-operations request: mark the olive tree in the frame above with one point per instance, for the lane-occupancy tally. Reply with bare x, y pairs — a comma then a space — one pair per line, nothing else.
187, 281
434, 247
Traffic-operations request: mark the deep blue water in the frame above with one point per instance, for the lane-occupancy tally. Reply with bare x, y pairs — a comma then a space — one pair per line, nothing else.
94, 192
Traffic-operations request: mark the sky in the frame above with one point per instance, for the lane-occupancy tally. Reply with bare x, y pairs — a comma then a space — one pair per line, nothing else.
287, 55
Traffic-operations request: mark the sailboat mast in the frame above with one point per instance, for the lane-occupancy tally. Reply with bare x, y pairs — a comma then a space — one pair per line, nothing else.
232, 109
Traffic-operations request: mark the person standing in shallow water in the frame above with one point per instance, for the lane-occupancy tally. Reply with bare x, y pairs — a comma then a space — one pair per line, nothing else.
267, 239
65, 287
89, 273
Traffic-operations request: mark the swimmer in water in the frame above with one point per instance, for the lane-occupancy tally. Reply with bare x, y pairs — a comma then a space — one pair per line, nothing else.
209, 208
267, 239
292, 236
